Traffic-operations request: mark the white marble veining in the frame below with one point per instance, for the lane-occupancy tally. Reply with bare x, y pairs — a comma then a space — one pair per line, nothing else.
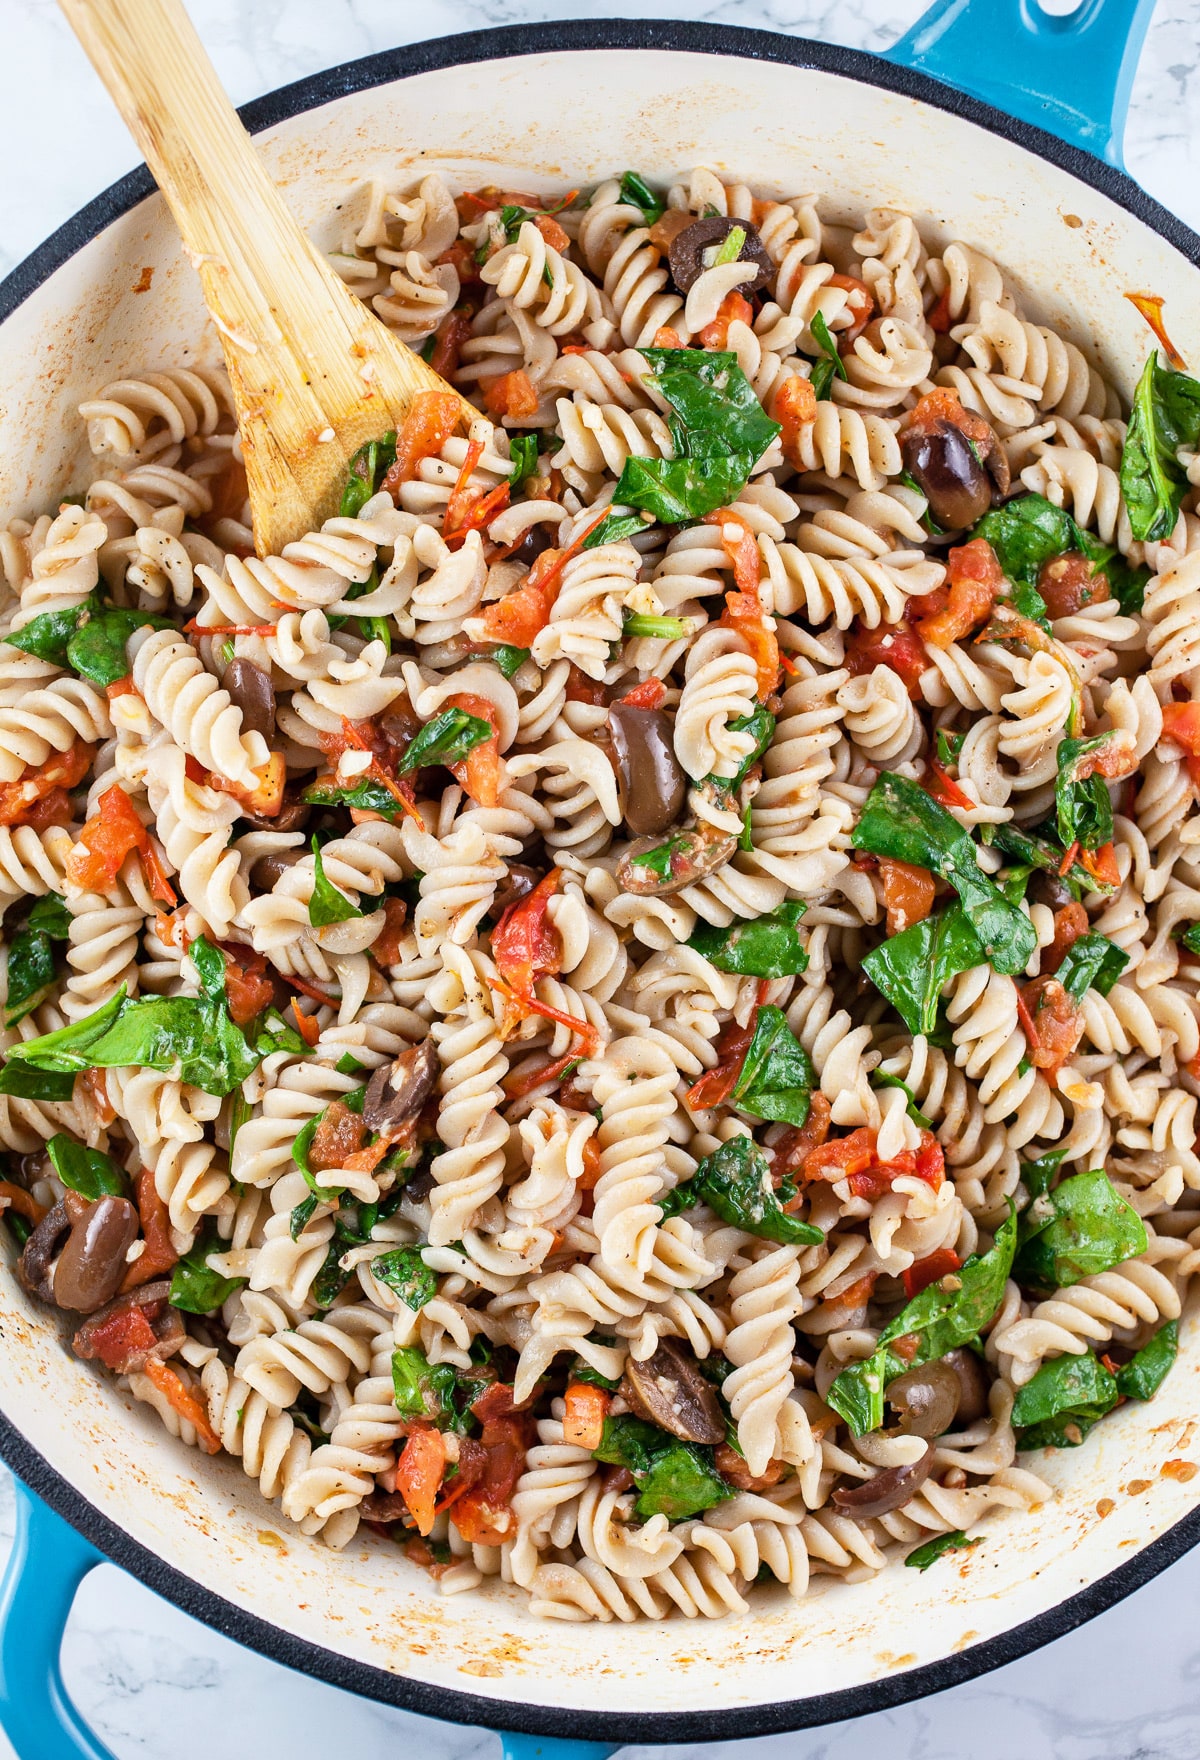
156, 1685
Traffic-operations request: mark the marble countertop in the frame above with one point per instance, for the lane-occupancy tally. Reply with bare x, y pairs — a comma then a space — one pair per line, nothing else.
153, 1683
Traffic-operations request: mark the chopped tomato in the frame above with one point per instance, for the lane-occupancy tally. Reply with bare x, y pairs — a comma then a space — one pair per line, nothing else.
451, 333
122, 1335
481, 771
582, 689
160, 1254
715, 1085
91, 1089
62, 770
121, 687
518, 617
53, 809
855, 1294
517, 1086
931, 1161
1069, 924
894, 645
929, 1270
976, 579
1181, 725
938, 316
744, 611
23, 1202
1069, 581
942, 405
248, 989
107, 839
386, 946
419, 1474
585, 1409
433, 416
339, 1134
842, 1156
667, 337
188, 1404
907, 893
461, 257
1051, 1021
735, 308
367, 1159
307, 1025
860, 304
484, 1516
368, 736
1101, 864
591, 1166
795, 407
943, 789
527, 946
740, 546
651, 693
552, 232
266, 796
732, 1467
794, 1145
512, 394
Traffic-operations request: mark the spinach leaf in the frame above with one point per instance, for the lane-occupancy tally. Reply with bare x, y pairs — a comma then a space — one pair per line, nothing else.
912, 968
276, 1034
1037, 850
735, 1182
154, 1032
1093, 961
404, 1271
50, 916
446, 739
32, 973
680, 1198
90, 638
776, 1074
1190, 937
583, 1371
921, 1557
332, 1278
719, 431
368, 796
676, 1479
764, 947
46, 636
1029, 531
368, 468
301, 1213
87, 1171
195, 1286
523, 450
940, 1320
830, 365
1077, 1230
35, 1084
760, 724
348, 1065
612, 529
509, 659
949, 745
1143, 1375
638, 194
1165, 417
1038, 1176
304, 1140
436, 1391
881, 1079
1128, 584
327, 904
900, 820
1066, 1397
1082, 803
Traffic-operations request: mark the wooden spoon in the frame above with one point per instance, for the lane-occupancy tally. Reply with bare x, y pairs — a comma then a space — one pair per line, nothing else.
315, 374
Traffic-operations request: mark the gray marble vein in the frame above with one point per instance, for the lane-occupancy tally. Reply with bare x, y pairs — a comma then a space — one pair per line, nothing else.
158, 1686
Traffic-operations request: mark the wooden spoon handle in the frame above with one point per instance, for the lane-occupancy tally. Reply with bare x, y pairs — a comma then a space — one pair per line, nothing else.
315, 374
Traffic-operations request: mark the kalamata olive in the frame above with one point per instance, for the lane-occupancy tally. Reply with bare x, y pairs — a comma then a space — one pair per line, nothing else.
926, 1398
94, 1338
536, 539
384, 1508
252, 691
650, 779
400, 722
518, 884
961, 478
686, 253
972, 1385
293, 815
266, 871
92, 1264
1048, 889
657, 866
887, 1491
398, 1090
35, 1267
669, 1390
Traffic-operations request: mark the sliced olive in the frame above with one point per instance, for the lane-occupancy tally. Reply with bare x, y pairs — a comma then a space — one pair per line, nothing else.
165, 1323
536, 539
518, 884
36, 1267
961, 478
400, 722
384, 1508
886, 1491
972, 1385
926, 1398
398, 1090
657, 866
293, 815
92, 1264
650, 779
687, 252
266, 872
252, 691
669, 1390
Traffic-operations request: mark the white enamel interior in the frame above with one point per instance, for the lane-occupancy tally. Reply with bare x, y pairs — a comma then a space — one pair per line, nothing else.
556, 121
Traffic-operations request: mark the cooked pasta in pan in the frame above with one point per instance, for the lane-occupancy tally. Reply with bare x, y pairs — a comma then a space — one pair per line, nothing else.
625, 1014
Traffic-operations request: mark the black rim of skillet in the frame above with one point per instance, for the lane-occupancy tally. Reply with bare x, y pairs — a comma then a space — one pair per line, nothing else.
203, 1604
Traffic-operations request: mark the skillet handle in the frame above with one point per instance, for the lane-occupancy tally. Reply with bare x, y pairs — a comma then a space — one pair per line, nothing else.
515, 1747
1070, 75
48, 1562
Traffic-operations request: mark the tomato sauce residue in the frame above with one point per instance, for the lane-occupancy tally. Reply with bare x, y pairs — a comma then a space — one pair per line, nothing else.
1150, 305
1181, 1470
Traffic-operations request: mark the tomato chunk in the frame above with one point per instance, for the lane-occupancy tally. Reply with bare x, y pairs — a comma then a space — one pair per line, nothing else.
976, 579
929, 1270
160, 1254
419, 1474
339, 1134
512, 394
794, 408
1070, 581
894, 645
842, 1156
433, 416
1069, 924
107, 838
585, 1409
40, 784
907, 893
481, 771
1051, 1021
735, 308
